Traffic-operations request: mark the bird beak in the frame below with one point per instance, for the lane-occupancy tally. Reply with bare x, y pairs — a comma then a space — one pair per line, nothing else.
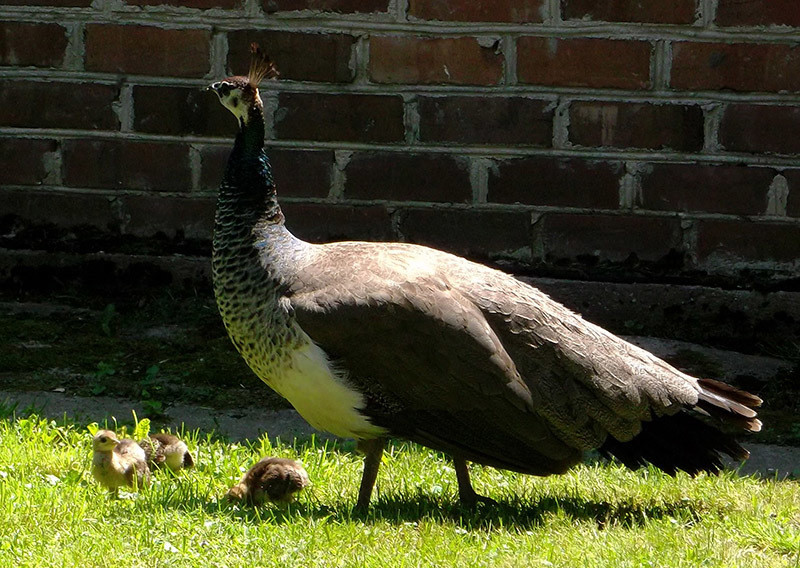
212, 87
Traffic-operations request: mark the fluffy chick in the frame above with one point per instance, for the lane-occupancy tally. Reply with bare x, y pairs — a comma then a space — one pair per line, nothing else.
271, 479
166, 450
117, 463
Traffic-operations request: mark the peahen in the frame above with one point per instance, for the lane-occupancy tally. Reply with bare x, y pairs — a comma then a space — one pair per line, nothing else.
370, 340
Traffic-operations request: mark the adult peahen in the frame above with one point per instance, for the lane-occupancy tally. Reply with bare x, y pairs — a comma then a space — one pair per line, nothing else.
369, 340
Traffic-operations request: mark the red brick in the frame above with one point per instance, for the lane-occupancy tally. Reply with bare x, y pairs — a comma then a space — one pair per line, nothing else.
147, 50
636, 125
793, 202
517, 11
486, 120
761, 129
149, 215
739, 67
608, 237
22, 160
735, 190
559, 182
350, 118
180, 111
473, 233
340, 6
126, 164
61, 209
401, 176
196, 4
758, 13
326, 222
584, 62
39, 45
727, 242
37, 104
644, 11
455, 61
298, 56
298, 173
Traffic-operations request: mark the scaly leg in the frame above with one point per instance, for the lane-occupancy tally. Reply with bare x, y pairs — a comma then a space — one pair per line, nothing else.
466, 493
373, 450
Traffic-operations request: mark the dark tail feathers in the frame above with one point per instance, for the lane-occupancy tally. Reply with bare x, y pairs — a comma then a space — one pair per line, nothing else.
678, 442
685, 442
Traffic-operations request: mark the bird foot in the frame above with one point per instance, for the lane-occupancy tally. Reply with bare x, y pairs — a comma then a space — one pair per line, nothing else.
471, 500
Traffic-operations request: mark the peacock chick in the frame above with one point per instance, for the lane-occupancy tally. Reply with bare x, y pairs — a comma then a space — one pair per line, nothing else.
166, 450
118, 463
271, 479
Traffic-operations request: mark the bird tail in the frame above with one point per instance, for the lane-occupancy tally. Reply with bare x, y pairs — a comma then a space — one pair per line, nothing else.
684, 441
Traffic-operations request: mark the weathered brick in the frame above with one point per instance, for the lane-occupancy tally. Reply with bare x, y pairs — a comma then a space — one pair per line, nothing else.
196, 4
36, 104
486, 120
761, 129
401, 176
57, 3
739, 66
560, 182
793, 200
298, 173
126, 164
735, 190
180, 111
608, 237
674, 12
61, 209
517, 11
758, 13
147, 50
340, 6
409, 59
584, 62
636, 125
472, 233
350, 118
298, 56
149, 215
23, 160
721, 241
325, 222
39, 45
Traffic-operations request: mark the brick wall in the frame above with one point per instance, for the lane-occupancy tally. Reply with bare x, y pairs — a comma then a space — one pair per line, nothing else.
603, 138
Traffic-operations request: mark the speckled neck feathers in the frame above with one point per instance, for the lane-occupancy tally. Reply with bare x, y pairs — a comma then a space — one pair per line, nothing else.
246, 286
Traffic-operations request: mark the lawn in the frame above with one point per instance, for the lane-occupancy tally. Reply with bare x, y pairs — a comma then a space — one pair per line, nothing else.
54, 514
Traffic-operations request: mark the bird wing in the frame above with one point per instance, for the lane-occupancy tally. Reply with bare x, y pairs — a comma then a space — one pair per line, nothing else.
468, 359
432, 368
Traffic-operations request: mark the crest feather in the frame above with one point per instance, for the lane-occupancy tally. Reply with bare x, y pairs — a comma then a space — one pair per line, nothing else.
261, 66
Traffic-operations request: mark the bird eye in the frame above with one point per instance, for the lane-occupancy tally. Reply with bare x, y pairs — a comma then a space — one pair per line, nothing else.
103, 439
225, 90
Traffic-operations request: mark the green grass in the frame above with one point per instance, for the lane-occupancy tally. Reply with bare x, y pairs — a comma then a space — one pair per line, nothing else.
52, 513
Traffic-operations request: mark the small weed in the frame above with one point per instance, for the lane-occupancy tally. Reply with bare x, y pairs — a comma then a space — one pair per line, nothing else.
107, 317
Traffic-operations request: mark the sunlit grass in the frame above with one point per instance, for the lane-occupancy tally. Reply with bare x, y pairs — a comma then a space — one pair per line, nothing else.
52, 513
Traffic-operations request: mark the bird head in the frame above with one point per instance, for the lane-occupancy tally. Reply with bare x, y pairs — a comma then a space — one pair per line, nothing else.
105, 441
239, 94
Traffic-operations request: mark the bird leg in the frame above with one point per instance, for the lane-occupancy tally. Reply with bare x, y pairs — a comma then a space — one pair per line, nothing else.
466, 494
373, 451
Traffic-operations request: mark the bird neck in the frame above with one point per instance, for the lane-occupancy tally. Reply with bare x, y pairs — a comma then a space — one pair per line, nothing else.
248, 186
